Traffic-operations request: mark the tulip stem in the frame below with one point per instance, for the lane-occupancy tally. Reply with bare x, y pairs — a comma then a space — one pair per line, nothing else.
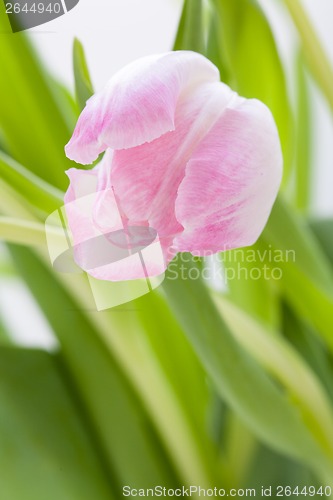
314, 52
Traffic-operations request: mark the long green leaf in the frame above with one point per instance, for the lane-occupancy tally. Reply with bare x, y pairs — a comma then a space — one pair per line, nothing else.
309, 301
230, 37
184, 371
248, 286
288, 232
123, 429
314, 53
312, 349
286, 365
14, 204
190, 35
83, 85
250, 59
323, 230
214, 50
306, 275
168, 413
21, 231
45, 448
38, 192
304, 137
34, 129
239, 380
271, 470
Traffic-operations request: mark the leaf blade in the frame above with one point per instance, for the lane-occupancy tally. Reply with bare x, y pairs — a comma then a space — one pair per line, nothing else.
51, 455
83, 86
268, 414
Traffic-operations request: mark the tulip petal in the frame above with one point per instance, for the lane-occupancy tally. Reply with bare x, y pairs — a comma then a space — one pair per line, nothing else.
82, 186
140, 265
138, 104
146, 178
94, 221
231, 182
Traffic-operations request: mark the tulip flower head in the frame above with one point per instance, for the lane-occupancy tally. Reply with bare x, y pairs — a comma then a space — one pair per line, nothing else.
185, 157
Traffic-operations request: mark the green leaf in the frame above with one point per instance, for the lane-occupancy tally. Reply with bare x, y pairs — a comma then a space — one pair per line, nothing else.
34, 128
310, 302
239, 380
83, 86
45, 448
238, 451
65, 102
284, 363
306, 279
323, 230
21, 231
312, 349
215, 43
37, 191
176, 357
167, 337
251, 60
315, 55
124, 432
168, 413
304, 137
258, 296
28, 232
190, 35
14, 204
287, 231
271, 470
155, 360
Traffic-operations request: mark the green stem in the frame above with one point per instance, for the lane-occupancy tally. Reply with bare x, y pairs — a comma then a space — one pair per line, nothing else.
314, 53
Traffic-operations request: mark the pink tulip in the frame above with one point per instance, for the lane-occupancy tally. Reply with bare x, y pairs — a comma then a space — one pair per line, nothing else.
185, 155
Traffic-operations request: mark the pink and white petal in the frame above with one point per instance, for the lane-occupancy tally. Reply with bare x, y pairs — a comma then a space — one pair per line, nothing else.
106, 214
138, 104
81, 183
231, 181
79, 201
146, 178
96, 249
